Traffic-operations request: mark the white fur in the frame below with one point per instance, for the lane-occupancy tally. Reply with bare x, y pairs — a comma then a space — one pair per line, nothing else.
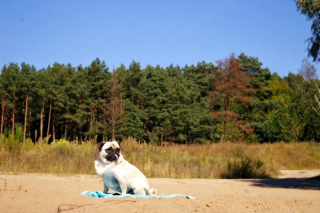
120, 175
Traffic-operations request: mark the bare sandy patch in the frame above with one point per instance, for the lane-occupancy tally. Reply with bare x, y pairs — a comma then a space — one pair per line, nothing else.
299, 173
53, 193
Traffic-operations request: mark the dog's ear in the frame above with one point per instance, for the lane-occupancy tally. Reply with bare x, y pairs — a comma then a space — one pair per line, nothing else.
119, 144
100, 145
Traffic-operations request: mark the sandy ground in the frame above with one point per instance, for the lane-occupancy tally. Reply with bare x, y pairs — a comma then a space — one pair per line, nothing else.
52, 193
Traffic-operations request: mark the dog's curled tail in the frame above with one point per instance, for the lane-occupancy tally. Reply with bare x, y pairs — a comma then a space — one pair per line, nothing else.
152, 191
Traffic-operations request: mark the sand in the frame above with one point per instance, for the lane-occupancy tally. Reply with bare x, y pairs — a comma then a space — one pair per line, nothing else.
293, 192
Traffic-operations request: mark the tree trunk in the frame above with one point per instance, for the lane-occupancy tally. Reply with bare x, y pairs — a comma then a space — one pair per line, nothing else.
225, 119
13, 113
30, 116
113, 102
91, 123
65, 129
224, 129
79, 136
25, 120
53, 121
113, 123
49, 117
2, 115
41, 122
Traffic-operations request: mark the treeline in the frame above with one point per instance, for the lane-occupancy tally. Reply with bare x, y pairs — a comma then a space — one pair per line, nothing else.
235, 100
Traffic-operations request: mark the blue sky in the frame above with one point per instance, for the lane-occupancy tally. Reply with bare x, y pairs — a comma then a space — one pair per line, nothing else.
165, 32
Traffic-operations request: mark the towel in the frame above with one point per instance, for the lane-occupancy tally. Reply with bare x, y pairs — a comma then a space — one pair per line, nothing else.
100, 194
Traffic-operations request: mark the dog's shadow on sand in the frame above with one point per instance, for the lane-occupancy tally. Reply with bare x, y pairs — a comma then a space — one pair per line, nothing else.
289, 183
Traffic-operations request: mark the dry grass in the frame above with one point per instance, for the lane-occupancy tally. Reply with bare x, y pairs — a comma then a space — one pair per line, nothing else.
59, 157
229, 160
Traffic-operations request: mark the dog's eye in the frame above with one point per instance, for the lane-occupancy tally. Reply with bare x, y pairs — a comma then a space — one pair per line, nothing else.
109, 150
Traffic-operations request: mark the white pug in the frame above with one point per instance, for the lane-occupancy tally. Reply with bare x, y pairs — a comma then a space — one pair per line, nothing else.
117, 173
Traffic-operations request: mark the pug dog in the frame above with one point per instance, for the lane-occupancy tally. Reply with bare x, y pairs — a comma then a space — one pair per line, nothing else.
117, 173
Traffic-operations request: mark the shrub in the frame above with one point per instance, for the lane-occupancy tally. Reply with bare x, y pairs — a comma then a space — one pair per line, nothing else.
245, 167
62, 147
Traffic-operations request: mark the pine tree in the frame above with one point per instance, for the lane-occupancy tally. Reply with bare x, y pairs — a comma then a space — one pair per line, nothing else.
82, 108
4, 97
257, 110
114, 111
153, 90
40, 90
131, 82
28, 74
11, 81
98, 77
132, 125
232, 86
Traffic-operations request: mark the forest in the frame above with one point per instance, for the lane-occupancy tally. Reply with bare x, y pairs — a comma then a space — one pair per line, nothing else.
235, 99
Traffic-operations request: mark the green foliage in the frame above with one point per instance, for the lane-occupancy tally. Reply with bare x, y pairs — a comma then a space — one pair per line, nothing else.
261, 104
155, 104
62, 147
311, 8
10, 143
133, 126
18, 134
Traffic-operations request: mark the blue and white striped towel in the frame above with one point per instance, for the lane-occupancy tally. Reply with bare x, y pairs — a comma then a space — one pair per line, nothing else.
100, 194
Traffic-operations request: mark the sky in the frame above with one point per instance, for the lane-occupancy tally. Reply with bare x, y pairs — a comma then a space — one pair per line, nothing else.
178, 32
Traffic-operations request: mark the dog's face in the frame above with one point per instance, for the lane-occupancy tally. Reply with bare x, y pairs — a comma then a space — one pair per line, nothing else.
109, 151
